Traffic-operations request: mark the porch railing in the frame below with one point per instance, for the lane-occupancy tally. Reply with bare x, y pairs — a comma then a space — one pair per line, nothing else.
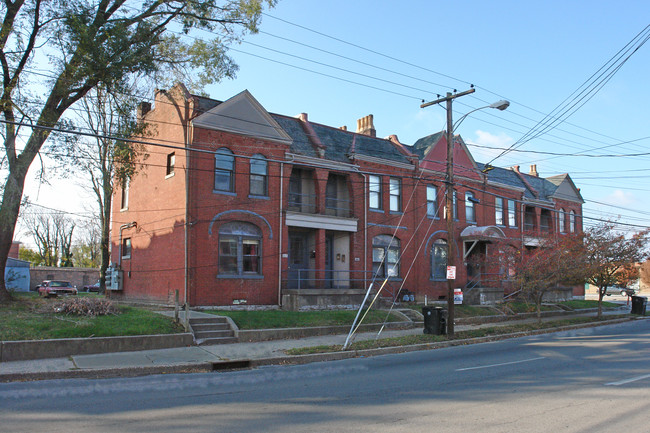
305, 279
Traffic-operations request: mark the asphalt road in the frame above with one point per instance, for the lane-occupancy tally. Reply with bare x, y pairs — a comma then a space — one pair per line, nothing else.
589, 380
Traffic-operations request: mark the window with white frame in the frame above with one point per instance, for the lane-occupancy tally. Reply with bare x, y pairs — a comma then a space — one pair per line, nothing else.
224, 170
561, 217
395, 194
432, 201
258, 175
439, 253
240, 249
498, 211
512, 213
374, 192
171, 162
470, 212
385, 256
572, 221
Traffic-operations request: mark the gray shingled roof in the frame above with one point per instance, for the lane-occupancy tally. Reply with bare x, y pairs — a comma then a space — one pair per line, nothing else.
424, 144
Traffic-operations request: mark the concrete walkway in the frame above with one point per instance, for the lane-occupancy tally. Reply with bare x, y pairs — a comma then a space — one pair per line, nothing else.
210, 358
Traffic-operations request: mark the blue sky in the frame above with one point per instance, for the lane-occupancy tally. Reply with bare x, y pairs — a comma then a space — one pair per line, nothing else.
535, 54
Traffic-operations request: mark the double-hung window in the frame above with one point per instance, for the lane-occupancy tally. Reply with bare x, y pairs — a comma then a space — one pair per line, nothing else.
562, 217
240, 249
385, 256
572, 221
512, 213
224, 170
258, 175
432, 201
395, 194
374, 192
470, 212
498, 211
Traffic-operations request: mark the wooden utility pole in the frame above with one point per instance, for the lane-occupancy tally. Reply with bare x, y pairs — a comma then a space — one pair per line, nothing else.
449, 180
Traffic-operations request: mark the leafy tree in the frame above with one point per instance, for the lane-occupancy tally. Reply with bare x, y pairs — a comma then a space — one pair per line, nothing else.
30, 255
608, 253
88, 42
558, 261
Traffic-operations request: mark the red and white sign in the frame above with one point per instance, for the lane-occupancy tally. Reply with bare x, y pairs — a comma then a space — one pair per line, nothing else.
451, 272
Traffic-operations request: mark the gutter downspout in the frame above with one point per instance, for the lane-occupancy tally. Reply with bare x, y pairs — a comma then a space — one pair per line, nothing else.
280, 236
188, 133
365, 229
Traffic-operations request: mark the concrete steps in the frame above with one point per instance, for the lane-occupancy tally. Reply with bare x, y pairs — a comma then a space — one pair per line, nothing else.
212, 330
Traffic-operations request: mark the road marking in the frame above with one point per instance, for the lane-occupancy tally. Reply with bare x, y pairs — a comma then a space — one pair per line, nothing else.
623, 382
499, 365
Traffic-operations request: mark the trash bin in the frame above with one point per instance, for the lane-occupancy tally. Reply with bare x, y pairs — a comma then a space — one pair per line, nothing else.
639, 304
435, 320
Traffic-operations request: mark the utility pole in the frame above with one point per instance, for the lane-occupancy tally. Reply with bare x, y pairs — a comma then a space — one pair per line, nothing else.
449, 180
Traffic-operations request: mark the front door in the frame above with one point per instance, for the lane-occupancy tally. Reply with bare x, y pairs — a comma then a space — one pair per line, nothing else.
298, 261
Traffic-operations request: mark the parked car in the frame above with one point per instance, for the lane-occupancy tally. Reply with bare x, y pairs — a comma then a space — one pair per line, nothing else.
56, 287
92, 287
618, 290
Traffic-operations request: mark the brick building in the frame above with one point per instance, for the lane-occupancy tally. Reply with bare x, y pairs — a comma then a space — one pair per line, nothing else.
237, 206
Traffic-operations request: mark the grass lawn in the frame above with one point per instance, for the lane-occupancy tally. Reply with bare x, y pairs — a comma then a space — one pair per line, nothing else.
577, 304
29, 317
268, 319
460, 335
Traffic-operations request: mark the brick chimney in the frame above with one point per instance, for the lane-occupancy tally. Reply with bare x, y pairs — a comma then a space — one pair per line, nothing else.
366, 126
533, 170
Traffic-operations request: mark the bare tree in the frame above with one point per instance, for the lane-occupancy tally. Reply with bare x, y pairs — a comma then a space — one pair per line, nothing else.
105, 160
52, 234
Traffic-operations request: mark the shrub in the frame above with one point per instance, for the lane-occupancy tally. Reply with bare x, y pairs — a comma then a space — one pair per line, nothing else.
89, 307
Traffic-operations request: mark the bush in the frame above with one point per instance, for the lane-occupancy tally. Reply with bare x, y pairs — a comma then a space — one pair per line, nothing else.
90, 307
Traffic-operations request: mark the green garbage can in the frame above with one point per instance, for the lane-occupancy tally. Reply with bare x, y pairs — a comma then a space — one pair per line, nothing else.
639, 305
435, 320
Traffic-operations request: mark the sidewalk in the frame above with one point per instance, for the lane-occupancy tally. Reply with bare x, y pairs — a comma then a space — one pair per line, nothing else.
215, 357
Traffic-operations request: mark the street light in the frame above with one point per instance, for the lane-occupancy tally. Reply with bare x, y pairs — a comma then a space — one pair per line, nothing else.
449, 180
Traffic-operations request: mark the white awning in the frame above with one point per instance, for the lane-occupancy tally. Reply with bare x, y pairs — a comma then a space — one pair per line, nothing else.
482, 233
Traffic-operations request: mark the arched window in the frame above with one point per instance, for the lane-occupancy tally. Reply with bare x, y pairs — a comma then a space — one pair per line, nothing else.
385, 256
259, 175
470, 213
224, 170
562, 217
439, 253
572, 221
240, 249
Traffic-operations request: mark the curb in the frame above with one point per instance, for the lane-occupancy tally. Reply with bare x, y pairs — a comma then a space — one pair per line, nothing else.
208, 367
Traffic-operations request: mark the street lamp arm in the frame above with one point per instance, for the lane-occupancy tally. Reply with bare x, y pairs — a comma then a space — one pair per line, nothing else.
499, 105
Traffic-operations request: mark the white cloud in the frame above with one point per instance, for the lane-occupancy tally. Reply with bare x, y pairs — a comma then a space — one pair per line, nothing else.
494, 144
620, 198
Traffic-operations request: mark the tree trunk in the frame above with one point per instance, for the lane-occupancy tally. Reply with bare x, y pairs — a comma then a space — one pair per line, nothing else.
601, 294
9, 210
106, 230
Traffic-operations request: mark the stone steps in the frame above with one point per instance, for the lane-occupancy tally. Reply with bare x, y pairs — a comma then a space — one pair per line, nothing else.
208, 330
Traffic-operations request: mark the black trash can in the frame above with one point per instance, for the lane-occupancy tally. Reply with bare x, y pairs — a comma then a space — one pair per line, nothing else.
435, 320
638, 305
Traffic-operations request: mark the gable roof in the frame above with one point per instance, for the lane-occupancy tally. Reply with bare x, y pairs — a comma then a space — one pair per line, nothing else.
242, 114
